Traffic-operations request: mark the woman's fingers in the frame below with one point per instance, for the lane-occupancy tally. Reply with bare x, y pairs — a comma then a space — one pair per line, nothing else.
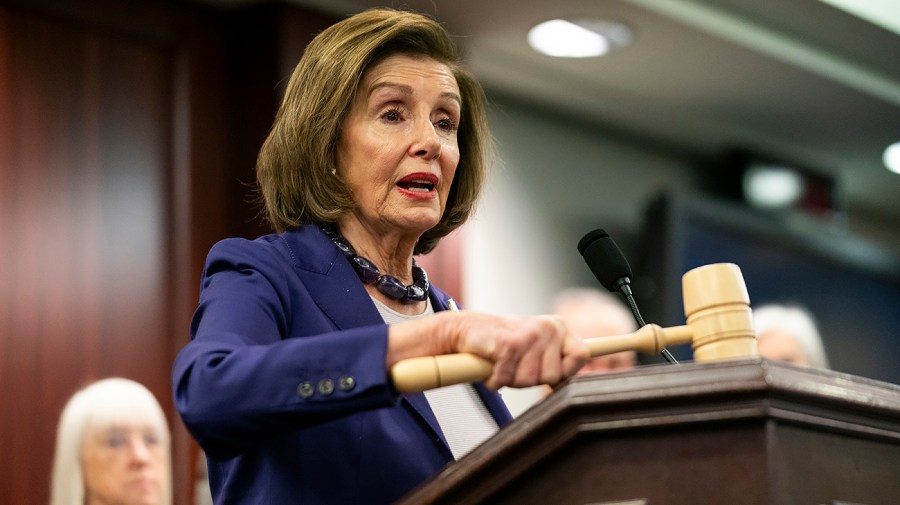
526, 351
552, 365
575, 355
504, 374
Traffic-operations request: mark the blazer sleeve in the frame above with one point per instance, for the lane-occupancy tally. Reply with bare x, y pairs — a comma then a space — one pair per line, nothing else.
263, 359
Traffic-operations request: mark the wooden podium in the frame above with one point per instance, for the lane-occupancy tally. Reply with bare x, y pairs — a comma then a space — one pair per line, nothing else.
748, 431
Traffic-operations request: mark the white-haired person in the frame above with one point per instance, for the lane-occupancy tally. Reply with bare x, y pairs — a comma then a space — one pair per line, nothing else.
112, 447
588, 313
789, 333
592, 313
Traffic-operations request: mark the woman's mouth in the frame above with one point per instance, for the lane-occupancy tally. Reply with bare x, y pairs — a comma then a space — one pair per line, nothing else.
418, 183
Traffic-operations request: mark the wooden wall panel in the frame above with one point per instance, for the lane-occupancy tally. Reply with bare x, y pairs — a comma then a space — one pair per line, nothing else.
85, 165
107, 151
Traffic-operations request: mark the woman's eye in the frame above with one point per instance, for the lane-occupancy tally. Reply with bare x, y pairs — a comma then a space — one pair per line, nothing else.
392, 115
151, 439
447, 125
116, 440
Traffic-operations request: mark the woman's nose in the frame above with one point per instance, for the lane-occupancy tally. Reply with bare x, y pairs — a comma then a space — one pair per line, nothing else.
427, 143
140, 451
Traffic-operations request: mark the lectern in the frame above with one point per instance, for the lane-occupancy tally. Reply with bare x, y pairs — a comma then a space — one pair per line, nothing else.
745, 431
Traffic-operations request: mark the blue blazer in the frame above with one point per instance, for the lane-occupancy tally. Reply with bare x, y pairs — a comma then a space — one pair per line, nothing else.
284, 385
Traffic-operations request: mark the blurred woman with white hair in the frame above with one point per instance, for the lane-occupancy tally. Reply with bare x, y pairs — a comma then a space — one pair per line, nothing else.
789, 334
112, 447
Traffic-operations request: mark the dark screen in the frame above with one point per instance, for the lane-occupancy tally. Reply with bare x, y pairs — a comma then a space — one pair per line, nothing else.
850, 286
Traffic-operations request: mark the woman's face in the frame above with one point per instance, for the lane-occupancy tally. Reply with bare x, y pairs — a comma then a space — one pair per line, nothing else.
123, 465
780, 345
397, 148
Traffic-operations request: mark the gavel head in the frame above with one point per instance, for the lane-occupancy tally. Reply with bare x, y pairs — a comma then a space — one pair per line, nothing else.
717, 308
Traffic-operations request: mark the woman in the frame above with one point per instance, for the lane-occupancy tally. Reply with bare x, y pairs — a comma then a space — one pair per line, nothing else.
789, 333
378, 151
112, 446
592, 313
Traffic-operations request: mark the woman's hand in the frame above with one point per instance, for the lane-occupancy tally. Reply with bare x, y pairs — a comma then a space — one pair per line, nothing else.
525, 350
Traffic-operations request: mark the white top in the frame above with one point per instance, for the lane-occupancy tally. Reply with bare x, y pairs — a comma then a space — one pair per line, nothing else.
462, 415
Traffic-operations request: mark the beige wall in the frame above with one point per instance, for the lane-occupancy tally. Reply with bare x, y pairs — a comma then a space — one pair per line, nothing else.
555, 181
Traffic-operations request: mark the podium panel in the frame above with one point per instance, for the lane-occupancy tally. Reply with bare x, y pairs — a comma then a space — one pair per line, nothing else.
743, 432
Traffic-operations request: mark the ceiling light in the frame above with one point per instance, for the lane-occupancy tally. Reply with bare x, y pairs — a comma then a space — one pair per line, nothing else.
579, 39
772, 186
891, 157
879, 12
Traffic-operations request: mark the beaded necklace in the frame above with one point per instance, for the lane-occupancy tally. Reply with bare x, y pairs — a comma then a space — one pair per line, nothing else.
388, 285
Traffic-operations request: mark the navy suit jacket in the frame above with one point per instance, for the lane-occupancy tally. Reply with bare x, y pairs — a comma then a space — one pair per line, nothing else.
284, 385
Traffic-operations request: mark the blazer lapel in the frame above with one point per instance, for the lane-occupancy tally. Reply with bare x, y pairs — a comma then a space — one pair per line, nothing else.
330, 279
494, 403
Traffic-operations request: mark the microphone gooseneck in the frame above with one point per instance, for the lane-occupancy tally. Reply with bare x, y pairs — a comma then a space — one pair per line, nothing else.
610, 267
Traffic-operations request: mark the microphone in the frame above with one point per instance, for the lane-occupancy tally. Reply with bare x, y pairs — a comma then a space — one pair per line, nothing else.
610, 267
606, 261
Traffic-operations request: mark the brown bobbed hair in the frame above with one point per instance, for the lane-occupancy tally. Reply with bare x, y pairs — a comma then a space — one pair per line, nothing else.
294, 167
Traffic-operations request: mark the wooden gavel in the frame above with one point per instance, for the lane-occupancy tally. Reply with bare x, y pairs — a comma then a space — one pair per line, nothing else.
719, 327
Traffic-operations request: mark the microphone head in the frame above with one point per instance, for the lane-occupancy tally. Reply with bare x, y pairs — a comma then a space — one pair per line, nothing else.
604, 258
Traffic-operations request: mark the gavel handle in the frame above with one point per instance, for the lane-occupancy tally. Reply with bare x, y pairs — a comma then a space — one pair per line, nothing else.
429, 372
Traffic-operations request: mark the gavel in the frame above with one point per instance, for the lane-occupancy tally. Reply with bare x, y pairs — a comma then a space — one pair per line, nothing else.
719, 327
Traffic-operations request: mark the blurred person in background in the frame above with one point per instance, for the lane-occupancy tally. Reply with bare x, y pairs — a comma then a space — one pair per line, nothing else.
789, 333
591, 313
112, 448
588, 313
